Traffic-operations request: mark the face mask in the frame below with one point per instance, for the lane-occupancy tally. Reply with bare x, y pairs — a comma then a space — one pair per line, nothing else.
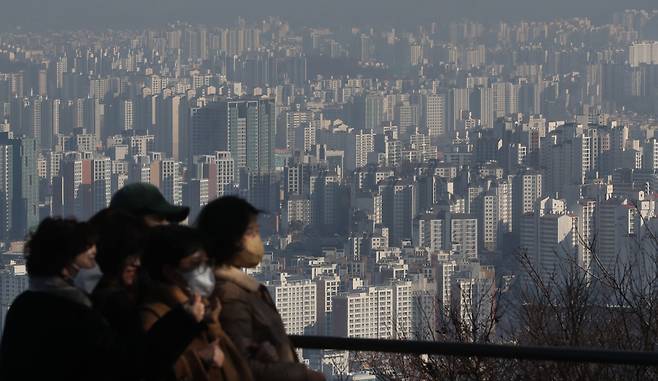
200, 280
253, 252
87, 279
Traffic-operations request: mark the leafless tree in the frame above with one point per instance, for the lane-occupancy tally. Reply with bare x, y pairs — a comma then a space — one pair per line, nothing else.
474, 323
599, 306
593, 305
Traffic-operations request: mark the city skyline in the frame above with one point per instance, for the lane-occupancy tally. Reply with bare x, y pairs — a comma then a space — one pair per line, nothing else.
416, 180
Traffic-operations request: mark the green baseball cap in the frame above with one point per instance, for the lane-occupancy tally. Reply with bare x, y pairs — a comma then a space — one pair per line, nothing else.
145, 199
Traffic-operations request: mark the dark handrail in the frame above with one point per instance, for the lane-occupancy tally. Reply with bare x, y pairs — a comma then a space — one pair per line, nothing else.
562, 354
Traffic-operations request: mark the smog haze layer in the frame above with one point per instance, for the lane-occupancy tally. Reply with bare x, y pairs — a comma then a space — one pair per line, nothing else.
71, 14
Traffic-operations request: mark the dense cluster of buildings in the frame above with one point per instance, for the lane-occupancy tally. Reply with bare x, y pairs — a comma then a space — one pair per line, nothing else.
402, 170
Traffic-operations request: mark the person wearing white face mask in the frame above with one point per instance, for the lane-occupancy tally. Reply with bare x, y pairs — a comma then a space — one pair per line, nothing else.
249, 315
52, 332
177, 268
51, 328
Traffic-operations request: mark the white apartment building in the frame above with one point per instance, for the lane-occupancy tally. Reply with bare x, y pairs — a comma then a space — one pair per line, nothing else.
364, 313
297, 209
435, 114
643, 53
296, 300
226, 175
170, 181
429, 232
526, 189
585, 212
328, 286
424, 307
464, 234
549, 237
402, 310
365, 144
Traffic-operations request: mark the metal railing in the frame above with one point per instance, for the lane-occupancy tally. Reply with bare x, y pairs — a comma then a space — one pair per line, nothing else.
530, 353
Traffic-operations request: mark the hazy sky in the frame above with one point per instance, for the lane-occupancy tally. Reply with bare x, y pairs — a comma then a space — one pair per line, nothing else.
54, 14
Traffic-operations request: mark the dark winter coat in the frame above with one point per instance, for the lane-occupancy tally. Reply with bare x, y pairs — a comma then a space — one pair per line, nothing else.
51, 332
